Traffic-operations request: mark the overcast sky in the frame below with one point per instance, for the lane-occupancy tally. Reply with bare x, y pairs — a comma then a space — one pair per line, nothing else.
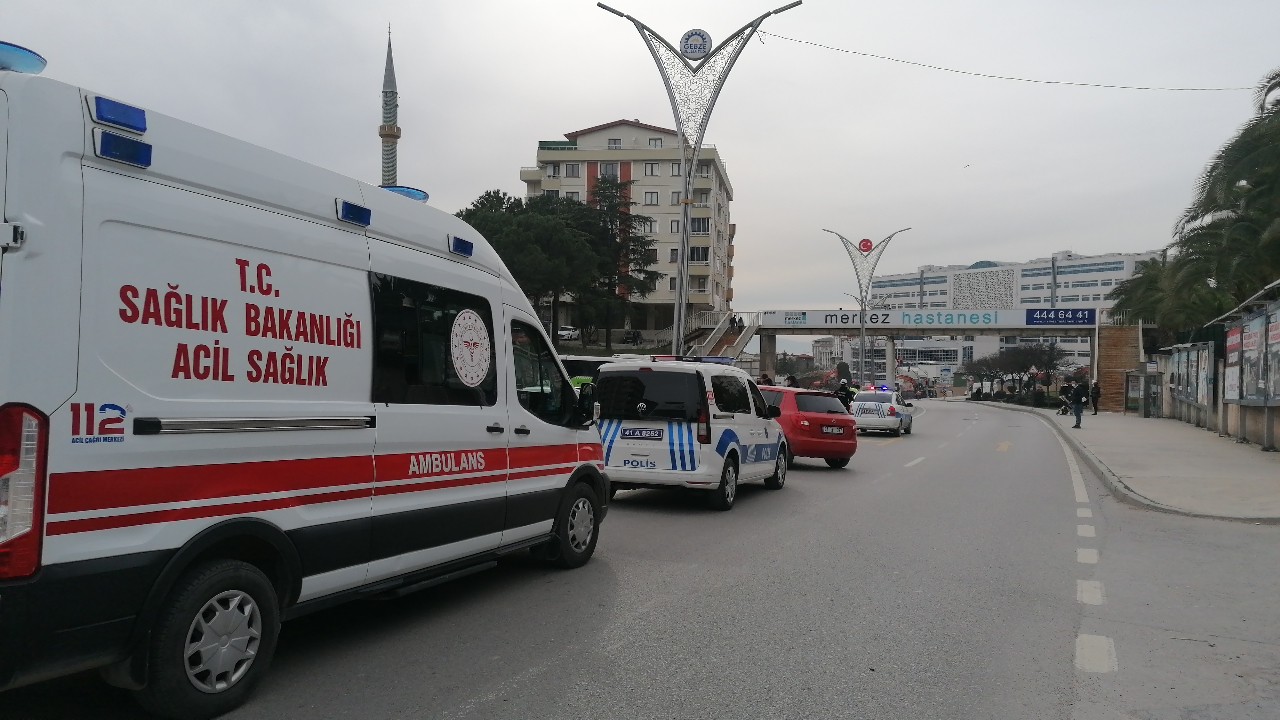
812, 138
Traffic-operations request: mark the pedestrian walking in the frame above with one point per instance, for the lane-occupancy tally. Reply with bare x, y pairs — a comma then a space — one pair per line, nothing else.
765, 380
1095, 394
791, 382
1079, 398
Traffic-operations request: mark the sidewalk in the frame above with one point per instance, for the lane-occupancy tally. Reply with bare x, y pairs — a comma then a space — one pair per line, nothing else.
1174, 466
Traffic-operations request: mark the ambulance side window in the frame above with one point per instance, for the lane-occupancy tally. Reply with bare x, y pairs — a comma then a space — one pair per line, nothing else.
414, 328
540, 386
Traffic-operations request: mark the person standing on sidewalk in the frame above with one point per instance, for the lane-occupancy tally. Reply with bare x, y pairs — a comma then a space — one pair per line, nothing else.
1095, 394
1079, 398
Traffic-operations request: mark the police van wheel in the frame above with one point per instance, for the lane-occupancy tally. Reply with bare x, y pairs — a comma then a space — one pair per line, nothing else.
212, 641
576, 530
722, 497
779, 476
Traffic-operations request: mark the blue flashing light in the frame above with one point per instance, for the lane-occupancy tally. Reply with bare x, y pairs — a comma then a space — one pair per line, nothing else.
410, 192
110, 112
19, 59
459, 246
124, 149
354, 214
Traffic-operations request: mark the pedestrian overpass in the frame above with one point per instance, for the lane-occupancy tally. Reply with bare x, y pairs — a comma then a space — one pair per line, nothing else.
893, 325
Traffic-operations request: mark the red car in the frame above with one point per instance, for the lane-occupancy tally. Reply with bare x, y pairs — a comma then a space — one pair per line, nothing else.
816, 424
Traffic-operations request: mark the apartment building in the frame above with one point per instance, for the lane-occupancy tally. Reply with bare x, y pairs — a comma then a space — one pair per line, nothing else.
1063, 280
649, 156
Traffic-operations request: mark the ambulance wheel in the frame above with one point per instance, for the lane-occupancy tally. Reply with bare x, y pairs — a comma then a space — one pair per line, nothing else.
576, 530
779, 476
212, 641
722, 497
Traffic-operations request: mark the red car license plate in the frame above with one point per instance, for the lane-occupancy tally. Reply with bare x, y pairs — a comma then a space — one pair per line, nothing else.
832, 430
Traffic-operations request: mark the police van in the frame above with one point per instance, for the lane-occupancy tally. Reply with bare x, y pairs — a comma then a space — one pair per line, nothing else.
688, 423
236, 388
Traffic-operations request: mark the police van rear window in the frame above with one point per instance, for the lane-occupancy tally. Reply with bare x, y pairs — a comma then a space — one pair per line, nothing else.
645, 395
873, 397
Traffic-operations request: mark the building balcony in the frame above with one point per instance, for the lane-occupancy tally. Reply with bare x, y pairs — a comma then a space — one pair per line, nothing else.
733, 230
699, 268
728, 295
531, 174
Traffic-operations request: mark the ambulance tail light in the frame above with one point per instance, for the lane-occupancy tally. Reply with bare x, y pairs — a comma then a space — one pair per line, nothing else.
24, 437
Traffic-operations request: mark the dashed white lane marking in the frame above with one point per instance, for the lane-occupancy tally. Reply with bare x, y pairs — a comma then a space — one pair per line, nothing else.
1085, 531
1084, 513
1095, 654
1090, 592
1088, 556
917, 461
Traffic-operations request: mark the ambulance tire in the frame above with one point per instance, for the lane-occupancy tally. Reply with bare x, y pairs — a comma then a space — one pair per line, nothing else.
723, 496
214, 592
577, 529
779, 476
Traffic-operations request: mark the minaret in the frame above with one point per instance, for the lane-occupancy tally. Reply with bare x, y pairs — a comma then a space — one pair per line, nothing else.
389, 131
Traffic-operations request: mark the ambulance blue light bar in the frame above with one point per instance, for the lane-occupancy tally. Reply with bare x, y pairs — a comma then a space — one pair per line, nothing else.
110, 112
111, 146
19, 59
459, 246
410, 192
354, 214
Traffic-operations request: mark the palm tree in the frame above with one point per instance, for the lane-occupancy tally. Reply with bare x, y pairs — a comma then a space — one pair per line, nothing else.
1226, 245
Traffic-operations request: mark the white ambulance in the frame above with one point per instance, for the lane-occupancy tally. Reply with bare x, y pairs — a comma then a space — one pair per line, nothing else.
236, 388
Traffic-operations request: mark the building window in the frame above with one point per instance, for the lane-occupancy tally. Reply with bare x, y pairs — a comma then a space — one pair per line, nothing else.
551, 193
413, 322
655, 142
672, 283
675, 255
699, 254
651, 169
698, 284
675, 226
553, 170
703, 198
609, 170
700, 226
704, 170
571, 195
571, 170
651, 256
651, 198
1069, 298
1106, 283
649, 227
675, 169
675, 197
615, 143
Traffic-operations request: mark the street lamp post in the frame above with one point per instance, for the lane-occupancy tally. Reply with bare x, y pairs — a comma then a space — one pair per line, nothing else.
864, 256
693, 75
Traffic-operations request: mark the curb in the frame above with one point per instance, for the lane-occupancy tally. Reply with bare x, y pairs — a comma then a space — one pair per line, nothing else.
1118, 488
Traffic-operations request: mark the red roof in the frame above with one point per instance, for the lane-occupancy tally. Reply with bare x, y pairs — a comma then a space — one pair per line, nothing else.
633, 123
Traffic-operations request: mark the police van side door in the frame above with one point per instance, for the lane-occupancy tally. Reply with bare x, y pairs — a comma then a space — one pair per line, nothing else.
767, 434
441, 448
734, 420
544, 439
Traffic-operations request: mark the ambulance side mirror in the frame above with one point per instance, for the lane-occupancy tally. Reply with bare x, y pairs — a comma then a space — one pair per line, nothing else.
587, 411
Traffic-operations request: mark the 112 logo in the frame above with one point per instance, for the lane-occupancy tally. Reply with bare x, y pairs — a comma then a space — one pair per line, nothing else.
104, 421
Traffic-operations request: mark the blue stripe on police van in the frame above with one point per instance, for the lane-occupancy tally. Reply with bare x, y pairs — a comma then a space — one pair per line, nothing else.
689, 442
671, 445
610, 434
686, 458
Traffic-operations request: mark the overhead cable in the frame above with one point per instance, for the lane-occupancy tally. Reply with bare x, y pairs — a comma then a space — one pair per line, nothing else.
1003, 77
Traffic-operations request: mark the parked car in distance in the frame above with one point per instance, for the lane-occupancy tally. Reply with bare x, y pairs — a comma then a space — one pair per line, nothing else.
816, 424
882, 411
568, 332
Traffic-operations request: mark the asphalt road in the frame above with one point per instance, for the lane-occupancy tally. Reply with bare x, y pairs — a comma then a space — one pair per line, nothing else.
945, 574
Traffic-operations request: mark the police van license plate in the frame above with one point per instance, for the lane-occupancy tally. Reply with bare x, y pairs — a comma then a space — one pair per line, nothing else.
832, 430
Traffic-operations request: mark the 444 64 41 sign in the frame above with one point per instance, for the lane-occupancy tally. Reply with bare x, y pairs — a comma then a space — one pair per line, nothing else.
1055, 316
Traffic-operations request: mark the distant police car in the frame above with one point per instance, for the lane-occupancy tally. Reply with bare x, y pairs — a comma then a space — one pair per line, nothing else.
882, 410
701, 425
